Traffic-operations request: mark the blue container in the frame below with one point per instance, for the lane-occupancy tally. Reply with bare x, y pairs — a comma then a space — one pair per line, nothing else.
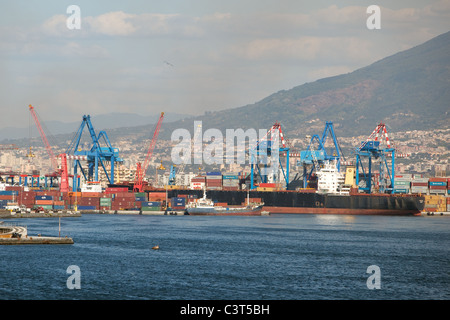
214, 173
140, 199
43, 198
150, 204
178, 202
227, 177
9, 193
86, 208
438, 183
59, 207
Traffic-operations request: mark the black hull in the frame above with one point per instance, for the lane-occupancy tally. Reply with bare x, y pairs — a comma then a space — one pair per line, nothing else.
297, 202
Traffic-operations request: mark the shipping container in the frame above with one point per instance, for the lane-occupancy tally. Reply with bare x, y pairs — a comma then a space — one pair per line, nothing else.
229, 177
140, 194
43, 197
151, 209
43, 206
43, 202
151, 204
419, 184
86, 208
437, 179
401, 190
438, 183
228, 188
438, 187
401, 183
9, 193
105, 201
178, 202
214, 173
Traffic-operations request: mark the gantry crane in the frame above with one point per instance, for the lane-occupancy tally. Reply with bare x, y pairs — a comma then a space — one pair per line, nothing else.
263, 150
96, 156
141, 170
316, 153
371, 149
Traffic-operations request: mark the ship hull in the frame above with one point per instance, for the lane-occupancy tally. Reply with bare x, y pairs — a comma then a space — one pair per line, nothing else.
346, 211
315, 203
219, 212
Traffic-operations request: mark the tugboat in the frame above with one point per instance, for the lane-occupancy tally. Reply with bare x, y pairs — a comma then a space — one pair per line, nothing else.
205, 207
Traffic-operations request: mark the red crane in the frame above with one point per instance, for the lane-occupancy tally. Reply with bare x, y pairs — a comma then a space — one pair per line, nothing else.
140, 170
44, 139
63, 172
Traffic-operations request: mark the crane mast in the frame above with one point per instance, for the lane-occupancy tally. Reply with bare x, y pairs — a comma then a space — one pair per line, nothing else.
140, 170
44, 139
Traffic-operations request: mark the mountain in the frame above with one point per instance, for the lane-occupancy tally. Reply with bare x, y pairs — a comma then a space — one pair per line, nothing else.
408, 90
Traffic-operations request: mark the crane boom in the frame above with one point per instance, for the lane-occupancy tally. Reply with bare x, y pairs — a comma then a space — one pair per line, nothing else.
44, 139
140, 170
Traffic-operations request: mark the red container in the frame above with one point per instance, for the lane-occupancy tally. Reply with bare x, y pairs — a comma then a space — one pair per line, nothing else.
419, 184
44, 202
267, 185
438, 187
91, 194
230, 188
438, 179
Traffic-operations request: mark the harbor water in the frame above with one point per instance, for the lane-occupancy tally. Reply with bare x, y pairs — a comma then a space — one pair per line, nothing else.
275, 257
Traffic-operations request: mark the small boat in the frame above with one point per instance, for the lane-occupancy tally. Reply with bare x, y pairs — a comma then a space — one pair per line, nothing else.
205, 206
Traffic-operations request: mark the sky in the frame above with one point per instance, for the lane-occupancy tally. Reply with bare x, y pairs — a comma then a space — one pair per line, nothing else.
147, 57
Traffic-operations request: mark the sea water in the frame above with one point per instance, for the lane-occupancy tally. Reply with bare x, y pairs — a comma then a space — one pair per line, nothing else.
275, 257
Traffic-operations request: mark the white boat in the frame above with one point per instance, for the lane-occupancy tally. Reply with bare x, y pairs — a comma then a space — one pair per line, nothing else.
205, 206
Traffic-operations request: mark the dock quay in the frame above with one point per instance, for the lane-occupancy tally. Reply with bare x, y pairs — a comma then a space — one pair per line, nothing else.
18, 235
136, 212
7, 214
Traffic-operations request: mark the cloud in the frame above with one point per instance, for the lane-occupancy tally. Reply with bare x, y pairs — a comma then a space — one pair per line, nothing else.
112, 23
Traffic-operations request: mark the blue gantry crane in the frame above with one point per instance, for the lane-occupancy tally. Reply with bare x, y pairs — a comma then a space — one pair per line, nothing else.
371, 150
316, 153
100, 152
261, 153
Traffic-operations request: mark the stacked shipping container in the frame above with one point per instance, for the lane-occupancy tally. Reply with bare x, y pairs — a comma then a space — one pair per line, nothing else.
230, 181
214, 180
435, 203
438, 185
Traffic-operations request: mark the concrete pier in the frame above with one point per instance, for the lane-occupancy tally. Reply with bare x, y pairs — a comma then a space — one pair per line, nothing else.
35, 240
6, 214
18, 235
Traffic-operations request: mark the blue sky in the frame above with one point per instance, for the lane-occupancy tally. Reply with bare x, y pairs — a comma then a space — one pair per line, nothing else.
220, 54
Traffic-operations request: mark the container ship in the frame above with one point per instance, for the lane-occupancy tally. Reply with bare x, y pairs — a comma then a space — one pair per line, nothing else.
331, 197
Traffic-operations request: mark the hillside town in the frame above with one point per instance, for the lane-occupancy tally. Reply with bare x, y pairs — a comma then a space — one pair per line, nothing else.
418, 152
